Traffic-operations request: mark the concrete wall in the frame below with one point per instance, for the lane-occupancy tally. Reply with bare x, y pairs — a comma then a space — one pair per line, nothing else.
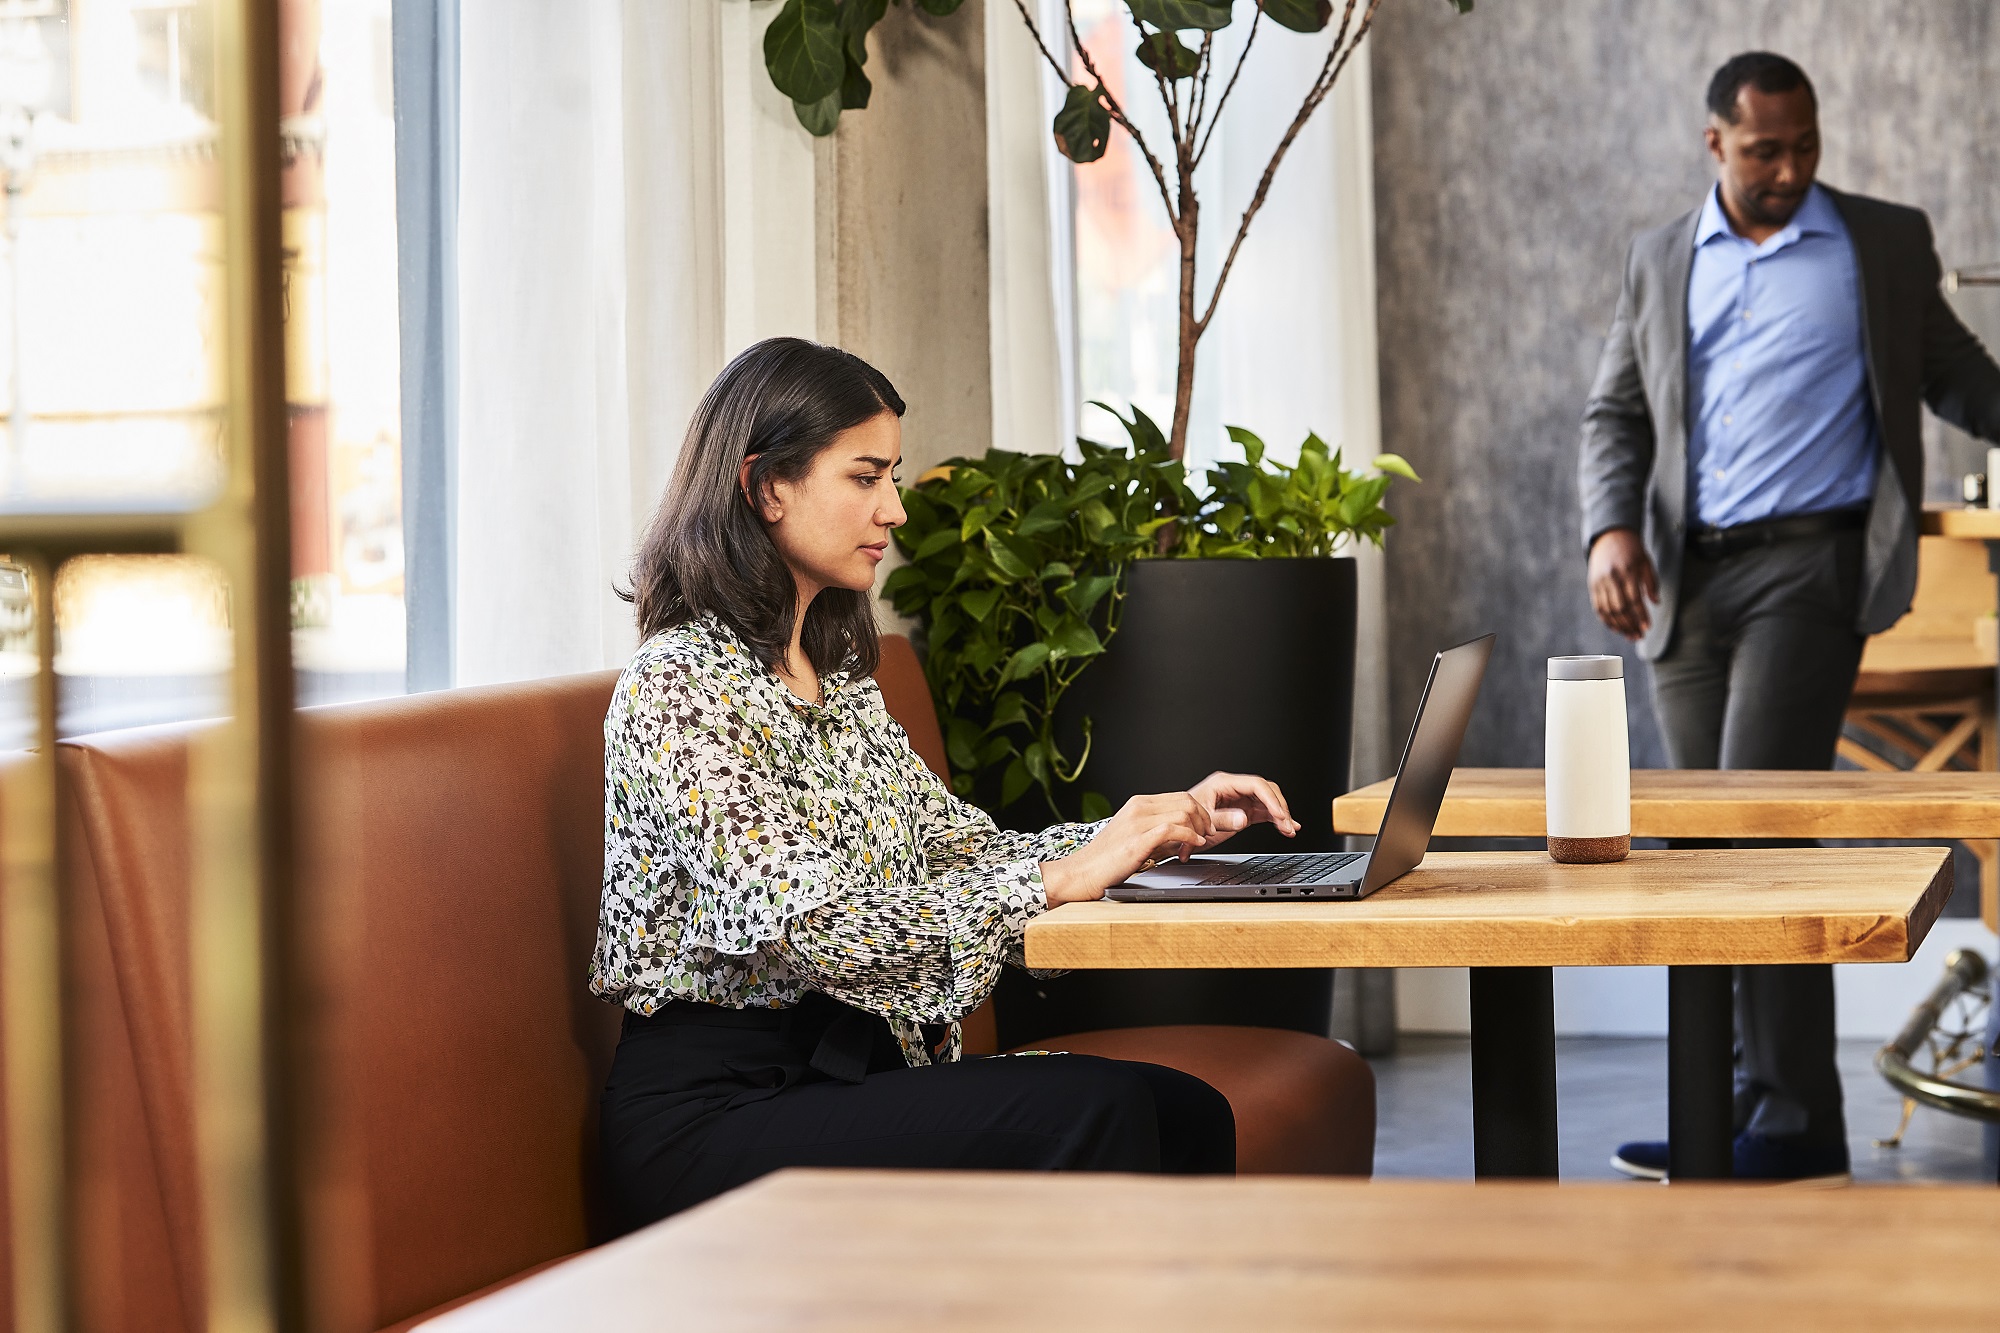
1517, 150
902, 275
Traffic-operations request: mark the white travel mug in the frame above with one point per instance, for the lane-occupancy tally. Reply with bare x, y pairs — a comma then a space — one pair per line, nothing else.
1588, 761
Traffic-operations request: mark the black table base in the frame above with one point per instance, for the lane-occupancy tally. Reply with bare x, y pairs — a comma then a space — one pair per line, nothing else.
1514, 1072
1701, 1005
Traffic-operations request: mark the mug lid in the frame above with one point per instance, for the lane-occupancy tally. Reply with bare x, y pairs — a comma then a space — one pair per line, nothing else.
1593, 666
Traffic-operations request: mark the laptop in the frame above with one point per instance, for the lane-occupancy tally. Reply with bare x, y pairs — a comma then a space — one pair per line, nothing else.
1428, 758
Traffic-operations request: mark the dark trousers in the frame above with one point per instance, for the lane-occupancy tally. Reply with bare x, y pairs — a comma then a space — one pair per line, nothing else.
703, 1099
1758, 675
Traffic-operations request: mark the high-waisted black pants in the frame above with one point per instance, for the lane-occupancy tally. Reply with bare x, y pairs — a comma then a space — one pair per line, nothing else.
702, 1099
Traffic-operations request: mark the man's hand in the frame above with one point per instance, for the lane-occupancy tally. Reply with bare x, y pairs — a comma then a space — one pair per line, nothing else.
1622, 582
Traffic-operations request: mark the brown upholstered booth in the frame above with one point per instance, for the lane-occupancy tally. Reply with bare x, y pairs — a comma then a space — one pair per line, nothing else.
450, 855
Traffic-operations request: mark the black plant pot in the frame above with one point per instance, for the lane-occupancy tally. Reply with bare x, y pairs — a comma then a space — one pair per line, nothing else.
1240, 665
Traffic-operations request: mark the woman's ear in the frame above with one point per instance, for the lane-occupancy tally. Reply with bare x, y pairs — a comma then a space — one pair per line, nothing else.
765, 506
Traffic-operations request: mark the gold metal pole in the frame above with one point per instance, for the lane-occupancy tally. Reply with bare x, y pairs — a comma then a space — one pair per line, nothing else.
33, 959
241, 779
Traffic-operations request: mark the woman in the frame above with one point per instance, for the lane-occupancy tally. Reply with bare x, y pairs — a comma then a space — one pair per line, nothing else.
796, 912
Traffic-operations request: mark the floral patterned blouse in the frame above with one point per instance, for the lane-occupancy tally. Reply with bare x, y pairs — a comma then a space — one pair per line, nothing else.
757, 847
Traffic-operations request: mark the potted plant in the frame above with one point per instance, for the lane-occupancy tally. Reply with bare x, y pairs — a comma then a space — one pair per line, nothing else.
1089, 635
1201, 660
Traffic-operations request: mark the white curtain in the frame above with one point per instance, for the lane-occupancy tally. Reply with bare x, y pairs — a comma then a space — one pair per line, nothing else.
636, 204
1032, 250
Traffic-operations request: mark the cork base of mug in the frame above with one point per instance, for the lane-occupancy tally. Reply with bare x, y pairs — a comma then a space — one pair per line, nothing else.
1590, 851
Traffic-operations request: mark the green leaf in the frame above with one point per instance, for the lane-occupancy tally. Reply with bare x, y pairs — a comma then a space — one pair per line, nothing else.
941, 540
979, 605
940, 7
1253, 445
1014, 783
1036, 757
1095, 807
1007, 557
856, 18
1298, 15
1083, 126
1075, 639
1207, 15
1090, 591
959, 739
1011, 710
855, 88
1025, 662
1397, 465
820, 118
1164, 53
1047, 516
802, 49
1462, 6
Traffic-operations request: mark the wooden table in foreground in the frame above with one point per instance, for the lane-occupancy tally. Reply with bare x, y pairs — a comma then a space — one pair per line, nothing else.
932, 1250
1511, 916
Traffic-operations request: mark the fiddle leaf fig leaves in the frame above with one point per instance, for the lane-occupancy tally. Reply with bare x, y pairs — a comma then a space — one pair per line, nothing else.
1083, 126
1299, 15
1166, 54
802, 49
1173, 15
820, 118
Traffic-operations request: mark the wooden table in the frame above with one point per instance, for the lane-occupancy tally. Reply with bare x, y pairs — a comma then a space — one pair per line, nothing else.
1512, 916
1739, 803
935, 1250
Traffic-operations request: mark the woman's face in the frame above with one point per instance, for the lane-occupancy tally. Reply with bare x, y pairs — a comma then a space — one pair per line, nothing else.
832, 525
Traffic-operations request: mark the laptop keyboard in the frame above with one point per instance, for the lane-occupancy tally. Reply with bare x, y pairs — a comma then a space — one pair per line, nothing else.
1301, 868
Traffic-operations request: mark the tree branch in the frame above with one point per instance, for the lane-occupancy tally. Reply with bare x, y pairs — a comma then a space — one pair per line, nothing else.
1206, 60
1230, 87
1062, 71
1336, 60
1117, 111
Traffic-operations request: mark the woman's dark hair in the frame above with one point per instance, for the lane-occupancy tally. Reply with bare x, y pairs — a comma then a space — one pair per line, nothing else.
706, 551
1762, 70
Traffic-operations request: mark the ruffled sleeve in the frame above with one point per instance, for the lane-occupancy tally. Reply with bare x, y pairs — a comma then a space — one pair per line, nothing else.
743, 837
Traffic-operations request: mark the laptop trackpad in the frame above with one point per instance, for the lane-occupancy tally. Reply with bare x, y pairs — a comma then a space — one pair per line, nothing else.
1184, 874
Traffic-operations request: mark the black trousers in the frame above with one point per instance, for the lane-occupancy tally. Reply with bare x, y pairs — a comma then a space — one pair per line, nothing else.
702, 1099
1758, 675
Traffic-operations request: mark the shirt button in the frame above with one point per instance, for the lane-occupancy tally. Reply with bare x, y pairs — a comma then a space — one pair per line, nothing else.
1737, 365
1718, 474
1746, 314
1728, 420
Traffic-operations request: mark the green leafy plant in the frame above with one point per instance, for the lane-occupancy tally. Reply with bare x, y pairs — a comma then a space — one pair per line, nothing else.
815, 50
1017, 576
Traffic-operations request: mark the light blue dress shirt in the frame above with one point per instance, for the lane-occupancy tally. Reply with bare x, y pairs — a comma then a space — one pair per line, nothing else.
1780, 418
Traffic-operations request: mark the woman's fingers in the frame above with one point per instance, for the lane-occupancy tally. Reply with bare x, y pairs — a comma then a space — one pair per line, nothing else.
1242, 799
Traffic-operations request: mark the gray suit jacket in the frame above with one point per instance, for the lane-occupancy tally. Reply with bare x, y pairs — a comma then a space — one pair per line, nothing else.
1633, 472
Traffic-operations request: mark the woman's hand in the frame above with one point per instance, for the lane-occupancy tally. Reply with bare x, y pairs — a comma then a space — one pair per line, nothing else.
1238, 800
1157, 828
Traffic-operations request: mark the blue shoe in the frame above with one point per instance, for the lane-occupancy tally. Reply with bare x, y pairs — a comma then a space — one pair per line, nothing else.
1756, 1158
1644, 1160
1760, 1158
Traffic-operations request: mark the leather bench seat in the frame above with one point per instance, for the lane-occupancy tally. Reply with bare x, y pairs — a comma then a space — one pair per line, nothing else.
450, 856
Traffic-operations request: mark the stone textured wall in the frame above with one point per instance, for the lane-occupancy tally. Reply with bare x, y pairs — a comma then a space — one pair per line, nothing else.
1517, 150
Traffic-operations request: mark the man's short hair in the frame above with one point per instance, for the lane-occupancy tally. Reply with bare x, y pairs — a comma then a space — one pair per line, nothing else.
1762, 70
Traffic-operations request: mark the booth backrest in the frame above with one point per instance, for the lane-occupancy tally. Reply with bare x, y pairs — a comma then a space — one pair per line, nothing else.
450, 866
450, 857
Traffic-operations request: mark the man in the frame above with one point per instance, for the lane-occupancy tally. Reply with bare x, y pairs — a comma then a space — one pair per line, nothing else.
1751, 476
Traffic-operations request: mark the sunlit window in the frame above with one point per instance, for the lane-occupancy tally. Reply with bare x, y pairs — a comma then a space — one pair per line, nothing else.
110, 351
